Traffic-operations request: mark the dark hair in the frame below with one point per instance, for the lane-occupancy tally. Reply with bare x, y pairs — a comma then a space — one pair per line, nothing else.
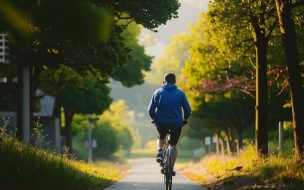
169, 78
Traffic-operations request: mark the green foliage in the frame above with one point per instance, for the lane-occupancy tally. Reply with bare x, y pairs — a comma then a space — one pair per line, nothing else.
66, 36
31, 167
197, 128
221, 48
10, 96
88, 98
53, 20
149, 13
21, 166
132, 72
107, 139
175, 55
288, 132
236, 25
125, 139
37, 134
185, 143
79, 123
111, 132
117, 116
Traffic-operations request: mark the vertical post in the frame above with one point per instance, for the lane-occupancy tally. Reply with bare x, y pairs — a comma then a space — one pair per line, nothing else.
26, 104
90, 137
281, 136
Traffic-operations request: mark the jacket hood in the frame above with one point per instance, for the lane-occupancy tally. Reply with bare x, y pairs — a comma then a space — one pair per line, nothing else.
169, 86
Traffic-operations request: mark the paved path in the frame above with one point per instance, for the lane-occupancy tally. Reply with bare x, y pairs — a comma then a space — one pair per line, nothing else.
145, 175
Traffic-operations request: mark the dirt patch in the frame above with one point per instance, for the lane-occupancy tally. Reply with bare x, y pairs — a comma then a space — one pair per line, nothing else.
231, 179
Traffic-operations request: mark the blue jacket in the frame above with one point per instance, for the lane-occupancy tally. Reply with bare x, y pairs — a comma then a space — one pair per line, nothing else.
167, 105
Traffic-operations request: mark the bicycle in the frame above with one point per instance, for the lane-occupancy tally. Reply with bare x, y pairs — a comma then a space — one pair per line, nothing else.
167, 163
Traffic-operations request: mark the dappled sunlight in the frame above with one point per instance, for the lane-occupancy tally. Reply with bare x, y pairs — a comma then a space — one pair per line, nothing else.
245, 171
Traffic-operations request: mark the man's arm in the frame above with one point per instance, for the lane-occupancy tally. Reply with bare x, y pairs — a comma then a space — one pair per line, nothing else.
186, 108
152, 107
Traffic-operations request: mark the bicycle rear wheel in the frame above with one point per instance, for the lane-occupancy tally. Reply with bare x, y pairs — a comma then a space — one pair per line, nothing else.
168, 181
168, 170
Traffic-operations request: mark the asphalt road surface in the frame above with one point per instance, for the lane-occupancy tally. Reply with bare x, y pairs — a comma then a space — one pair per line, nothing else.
145, 175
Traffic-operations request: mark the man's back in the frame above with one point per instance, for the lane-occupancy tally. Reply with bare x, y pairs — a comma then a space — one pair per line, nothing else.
169, 102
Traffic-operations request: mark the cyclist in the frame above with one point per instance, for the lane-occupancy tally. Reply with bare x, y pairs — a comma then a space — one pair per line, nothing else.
168, 109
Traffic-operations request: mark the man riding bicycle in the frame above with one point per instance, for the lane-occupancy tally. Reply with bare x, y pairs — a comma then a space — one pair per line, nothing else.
169, 109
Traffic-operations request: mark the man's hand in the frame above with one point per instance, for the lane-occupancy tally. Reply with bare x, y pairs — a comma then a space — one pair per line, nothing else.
152, 121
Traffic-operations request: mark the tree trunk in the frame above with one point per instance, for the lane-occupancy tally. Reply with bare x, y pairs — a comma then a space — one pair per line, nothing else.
239, 133
217, 144
222, 144
289, 43
261, 105
228, 146
261, 110
229, 141
202, 142
68, 130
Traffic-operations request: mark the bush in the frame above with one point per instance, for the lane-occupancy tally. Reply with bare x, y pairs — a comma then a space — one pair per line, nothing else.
125, 140
107, 140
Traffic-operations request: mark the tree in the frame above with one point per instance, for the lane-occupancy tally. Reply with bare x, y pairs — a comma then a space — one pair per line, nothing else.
34, 21
112, 131
175, 55
107, 139
213, 121
116, 115
197, 130
99, 65
55, 22
230, 110
132, 72
125, 140
91, 96
150, 13
248, 22
289, 41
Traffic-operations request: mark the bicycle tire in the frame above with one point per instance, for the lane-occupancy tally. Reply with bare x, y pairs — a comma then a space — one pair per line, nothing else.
168, 181
168, 170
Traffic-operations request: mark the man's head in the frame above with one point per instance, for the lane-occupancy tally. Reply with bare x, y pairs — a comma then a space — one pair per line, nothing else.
169, 78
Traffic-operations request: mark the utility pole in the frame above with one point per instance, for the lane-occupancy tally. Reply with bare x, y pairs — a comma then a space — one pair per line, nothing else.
90, 143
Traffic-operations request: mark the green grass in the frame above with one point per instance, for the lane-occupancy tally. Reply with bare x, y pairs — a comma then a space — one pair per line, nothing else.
31, 167
276, 171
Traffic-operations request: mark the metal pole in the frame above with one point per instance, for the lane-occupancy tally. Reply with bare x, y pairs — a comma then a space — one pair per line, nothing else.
26, 104
90, 137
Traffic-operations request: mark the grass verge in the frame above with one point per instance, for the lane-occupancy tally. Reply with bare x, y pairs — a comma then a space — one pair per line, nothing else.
25, 167
246, 172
